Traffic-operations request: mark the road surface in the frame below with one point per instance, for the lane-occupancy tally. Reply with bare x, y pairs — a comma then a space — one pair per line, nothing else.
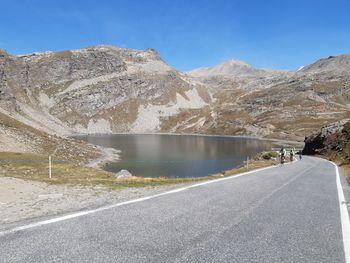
289, 213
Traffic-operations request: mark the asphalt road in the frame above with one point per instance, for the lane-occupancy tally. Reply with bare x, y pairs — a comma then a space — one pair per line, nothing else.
284, 214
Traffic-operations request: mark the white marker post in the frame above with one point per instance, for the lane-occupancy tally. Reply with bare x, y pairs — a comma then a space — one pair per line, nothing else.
247, 162
49, 166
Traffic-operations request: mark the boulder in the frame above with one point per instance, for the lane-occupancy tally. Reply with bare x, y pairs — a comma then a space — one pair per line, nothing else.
123, 174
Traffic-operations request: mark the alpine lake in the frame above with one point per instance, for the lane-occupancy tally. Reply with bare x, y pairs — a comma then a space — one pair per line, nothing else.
158, 155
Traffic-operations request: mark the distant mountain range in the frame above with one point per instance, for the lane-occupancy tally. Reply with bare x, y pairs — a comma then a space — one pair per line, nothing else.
105, 89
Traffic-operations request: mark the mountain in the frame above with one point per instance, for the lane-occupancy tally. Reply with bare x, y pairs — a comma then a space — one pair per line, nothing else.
99, 89
234, 69
230, 68
335, 65
106, 89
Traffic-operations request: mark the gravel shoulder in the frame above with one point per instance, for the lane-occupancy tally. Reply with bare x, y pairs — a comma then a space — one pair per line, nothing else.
24, 200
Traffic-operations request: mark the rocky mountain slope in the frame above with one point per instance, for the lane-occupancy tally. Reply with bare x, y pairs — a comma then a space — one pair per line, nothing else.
105, 89
337, 65
282, 104
95, 90
333, 142
332, 137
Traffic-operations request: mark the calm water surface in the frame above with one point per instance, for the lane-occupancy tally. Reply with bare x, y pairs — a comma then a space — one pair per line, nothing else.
177, 156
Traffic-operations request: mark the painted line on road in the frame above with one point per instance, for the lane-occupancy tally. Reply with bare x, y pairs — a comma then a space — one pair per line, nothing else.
87, 212
344, 216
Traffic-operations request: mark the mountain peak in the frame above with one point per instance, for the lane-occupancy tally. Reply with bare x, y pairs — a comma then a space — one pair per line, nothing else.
229, 68
235, 62
335, 64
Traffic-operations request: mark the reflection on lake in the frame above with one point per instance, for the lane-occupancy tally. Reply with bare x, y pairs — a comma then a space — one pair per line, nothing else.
177, 156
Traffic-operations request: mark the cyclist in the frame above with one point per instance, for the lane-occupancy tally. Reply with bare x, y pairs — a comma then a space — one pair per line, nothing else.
291, 154
283, 154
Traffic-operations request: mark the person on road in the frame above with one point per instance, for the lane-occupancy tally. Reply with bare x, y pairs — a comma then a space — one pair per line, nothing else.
291, 154
283, 154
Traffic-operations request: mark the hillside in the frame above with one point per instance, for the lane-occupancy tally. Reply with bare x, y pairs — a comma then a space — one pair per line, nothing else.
280, 104
105, 89
333, 142
336, 65
95, 90
16, 136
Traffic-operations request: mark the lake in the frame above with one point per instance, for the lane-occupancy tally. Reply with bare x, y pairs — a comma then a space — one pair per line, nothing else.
178, 155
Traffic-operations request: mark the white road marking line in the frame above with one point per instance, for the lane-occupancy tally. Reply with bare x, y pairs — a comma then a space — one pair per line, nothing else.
87, 212
344, 216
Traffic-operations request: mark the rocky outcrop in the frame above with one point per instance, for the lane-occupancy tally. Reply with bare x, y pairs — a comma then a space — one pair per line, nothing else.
330, 140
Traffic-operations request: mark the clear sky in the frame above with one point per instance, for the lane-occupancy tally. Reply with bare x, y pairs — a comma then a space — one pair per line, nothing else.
283, 34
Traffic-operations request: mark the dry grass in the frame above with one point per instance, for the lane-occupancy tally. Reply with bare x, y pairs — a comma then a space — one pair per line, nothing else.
66, 54
35, 167
254, 164
42, 142
327, 87
123, 114
340, 162
347, 172
340, 158
14, 124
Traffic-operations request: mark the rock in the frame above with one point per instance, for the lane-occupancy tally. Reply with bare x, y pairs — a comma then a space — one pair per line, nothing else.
327, 138
123, 174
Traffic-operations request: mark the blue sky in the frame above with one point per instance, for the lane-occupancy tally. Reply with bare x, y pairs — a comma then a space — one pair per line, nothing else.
284, 34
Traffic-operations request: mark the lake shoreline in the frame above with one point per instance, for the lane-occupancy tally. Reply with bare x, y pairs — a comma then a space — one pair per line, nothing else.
110, 158
110, 155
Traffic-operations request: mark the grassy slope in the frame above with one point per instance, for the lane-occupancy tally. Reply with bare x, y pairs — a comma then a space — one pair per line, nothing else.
35, 167
43, 143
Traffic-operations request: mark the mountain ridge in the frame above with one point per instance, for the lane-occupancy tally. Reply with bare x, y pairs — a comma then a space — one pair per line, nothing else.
106, 89
227, 68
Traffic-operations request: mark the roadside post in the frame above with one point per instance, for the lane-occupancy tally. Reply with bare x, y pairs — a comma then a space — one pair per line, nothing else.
247, 162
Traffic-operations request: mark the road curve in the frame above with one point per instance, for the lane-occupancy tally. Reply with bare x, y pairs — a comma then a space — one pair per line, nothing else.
284, 214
